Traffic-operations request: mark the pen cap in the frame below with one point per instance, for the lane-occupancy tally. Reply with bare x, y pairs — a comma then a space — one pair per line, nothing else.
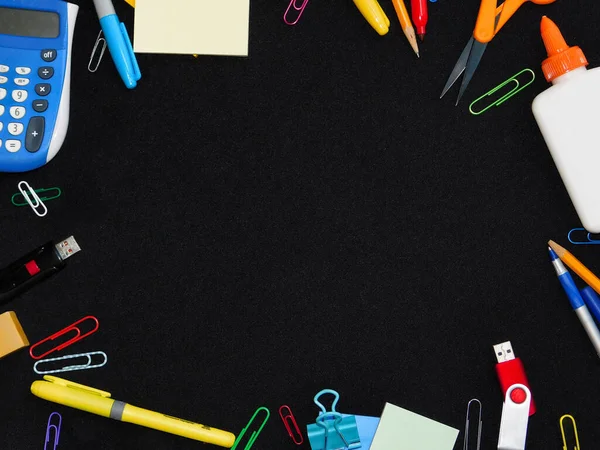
592, 301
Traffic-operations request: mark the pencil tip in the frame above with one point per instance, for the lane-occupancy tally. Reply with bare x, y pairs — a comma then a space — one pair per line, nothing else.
418, 56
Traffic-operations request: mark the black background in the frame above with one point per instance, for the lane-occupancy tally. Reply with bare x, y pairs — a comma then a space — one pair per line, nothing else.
257, 229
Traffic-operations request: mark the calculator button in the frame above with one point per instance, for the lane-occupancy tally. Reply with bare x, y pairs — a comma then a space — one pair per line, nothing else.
4, 69
45, 73
1, 109
17, 112
3, 80
15, 128
23, 70
1, 126
21, 81
12, 145
42, 89
48, 55
18, 95
2, 93
35, 134
39, 105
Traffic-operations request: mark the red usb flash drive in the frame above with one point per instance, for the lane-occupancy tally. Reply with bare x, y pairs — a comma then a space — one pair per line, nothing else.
510, 371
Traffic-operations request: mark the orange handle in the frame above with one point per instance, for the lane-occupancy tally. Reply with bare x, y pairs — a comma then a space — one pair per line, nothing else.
486, 27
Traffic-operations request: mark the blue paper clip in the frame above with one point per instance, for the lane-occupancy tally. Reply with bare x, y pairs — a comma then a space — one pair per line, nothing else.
331, 430
588, 239
254, 434
56, 429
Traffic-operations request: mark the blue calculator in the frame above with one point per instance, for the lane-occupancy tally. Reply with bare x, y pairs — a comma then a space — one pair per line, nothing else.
36, 38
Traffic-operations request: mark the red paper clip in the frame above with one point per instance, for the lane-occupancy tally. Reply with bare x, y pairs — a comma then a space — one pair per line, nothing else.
73, 327
288, 417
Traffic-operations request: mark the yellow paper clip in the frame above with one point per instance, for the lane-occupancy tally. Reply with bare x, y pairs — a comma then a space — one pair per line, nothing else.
254, 434
562, 432
516, 89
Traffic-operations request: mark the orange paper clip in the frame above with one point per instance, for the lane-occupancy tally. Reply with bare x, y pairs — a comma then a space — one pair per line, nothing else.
73, 327
286, 415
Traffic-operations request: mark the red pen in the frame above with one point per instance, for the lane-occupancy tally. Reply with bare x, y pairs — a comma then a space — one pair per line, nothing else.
419, 16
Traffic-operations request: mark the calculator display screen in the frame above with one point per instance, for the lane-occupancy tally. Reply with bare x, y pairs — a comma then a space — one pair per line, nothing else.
25, 22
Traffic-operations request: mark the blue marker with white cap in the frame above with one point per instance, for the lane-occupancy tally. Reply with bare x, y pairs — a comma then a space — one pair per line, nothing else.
118, 42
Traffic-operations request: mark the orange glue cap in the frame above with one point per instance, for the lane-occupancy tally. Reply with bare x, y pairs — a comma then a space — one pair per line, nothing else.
561, 58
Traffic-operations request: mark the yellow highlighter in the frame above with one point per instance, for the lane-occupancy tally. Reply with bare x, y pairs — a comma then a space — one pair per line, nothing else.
98, 402
371, 10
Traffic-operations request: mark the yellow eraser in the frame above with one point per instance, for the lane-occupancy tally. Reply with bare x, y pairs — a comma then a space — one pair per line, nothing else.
12, 336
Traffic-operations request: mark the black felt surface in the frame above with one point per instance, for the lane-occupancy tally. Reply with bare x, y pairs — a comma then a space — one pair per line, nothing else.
257, 229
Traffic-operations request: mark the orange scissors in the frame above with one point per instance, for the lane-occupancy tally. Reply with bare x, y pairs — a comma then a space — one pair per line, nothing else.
490, 20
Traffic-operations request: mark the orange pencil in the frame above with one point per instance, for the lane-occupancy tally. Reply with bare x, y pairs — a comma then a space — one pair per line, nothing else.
576, 266
406, 24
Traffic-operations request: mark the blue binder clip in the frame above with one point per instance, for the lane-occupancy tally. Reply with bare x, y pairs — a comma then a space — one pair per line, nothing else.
331, 430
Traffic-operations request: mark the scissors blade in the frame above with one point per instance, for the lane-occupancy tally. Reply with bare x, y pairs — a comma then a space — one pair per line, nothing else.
459, 67
477, 51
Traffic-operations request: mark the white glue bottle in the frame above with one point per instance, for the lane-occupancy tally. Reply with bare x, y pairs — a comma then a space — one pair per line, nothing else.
568, 114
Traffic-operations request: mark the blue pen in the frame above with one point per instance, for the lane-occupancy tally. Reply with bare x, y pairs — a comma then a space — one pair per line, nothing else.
576, 300
118, 42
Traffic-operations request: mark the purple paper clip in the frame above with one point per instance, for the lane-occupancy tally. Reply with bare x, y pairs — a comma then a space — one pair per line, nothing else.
298, 9
56, 429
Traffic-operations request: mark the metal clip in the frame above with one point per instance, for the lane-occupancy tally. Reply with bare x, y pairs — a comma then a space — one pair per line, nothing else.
254, 434
562, 432
516, 89
73, 327
56, 429
332, 430
36, 202
581, 241
298, 9
87, 365
288, 419
95, 50
467, 423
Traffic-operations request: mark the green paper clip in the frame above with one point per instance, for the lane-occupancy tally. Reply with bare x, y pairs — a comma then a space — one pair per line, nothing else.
518, 88
44, 198
254, 433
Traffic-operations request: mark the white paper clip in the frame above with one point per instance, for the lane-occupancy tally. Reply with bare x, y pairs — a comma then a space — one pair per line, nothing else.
91, 66
515, 418
83, 366
36, 202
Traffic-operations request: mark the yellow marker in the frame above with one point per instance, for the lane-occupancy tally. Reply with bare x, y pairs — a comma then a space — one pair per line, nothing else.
371, 10
131, 2
98, 402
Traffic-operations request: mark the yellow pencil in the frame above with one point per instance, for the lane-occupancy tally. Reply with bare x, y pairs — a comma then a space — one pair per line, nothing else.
576, 266
406, 24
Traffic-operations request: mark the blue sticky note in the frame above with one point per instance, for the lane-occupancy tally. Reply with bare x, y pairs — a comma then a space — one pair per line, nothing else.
367, 426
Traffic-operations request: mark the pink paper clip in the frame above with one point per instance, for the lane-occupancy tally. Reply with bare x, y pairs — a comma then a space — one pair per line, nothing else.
286, 415
298, 9
73, 327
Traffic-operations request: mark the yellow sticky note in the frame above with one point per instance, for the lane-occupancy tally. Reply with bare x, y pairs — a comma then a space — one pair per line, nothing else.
204, 27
